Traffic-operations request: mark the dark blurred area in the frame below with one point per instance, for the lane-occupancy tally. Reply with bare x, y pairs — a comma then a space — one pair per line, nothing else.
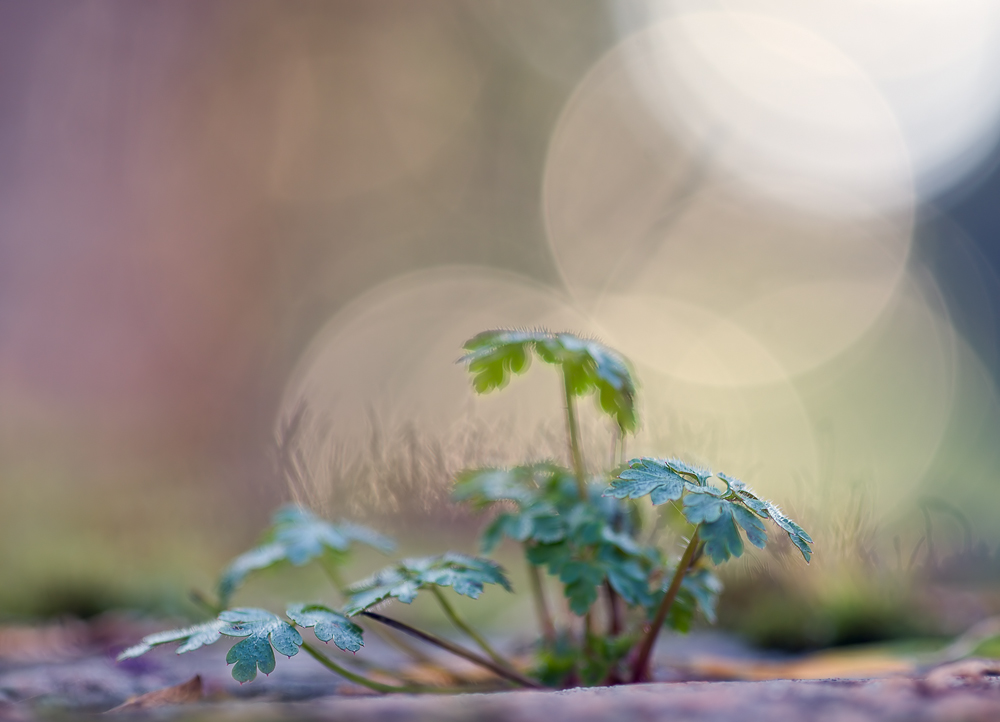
219, 216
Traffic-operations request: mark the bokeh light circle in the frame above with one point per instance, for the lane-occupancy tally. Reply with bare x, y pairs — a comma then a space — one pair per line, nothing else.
731, 284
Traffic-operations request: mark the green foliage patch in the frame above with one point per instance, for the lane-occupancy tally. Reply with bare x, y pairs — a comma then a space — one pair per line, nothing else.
466, 575
582, 530
297, 536
587, 366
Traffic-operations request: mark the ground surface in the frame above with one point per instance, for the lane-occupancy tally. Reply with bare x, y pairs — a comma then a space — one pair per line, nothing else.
69, 669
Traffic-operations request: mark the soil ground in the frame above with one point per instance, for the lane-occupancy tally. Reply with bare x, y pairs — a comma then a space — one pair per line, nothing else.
68, 670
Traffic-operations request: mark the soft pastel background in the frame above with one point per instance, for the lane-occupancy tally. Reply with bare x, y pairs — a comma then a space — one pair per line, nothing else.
219, 219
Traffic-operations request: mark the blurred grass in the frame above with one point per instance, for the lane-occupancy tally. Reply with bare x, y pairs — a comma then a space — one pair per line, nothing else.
72, 546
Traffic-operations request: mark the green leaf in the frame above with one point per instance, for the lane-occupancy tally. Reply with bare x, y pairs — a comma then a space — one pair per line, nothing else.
722, 538
193, 637
662, 479
631, 581
328, 625
751, 523
263, 631
530, 488
701, 474
297, 536
589, 366
701, 508
466, 575
699, 591
482, 487
648, 476
705, 588
704, 504
552, 556
582, 580
768, 509
494, 532
796, 534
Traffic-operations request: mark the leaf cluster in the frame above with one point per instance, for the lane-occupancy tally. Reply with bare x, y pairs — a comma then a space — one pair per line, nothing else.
587, 365
592, 542
584, 543
465, 574
562, 659
720, 514
262, 634
297, 536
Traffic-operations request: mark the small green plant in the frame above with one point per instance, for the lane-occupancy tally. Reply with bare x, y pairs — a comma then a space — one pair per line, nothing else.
578, 525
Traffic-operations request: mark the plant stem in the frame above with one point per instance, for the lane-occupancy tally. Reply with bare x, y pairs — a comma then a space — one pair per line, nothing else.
335, 579
472, 633
206, 605
640, 671
541, 608
383, 634
508, 674
614, 613
372, 684
573, 432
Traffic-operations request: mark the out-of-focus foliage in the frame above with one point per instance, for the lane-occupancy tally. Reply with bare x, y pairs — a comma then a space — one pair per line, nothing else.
328, 625
719, 512
466, 575
297, 536
261, 630
587, 366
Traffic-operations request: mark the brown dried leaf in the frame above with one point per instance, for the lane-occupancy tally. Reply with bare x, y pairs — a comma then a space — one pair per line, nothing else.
184, 693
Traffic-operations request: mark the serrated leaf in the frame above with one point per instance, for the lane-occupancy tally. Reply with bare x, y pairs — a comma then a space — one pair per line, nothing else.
647, 476
589, 366
796, 534
733, 483
631, 581
263, 630
297, 536
466, 575
494, 533
552, 556
722, 538
682, 467
193, 637
699, 592
482, 487
582, 580
751, 523
527, 487
547, 528
703, 509
328, 625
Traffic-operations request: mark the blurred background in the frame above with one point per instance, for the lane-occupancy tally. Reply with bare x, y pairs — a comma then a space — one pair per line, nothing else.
226, 222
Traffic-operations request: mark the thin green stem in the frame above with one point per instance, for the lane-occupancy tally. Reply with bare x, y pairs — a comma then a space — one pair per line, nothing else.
206, 605
508, 674
449, 612
548, 628
383, 634
335, 579
573, 432
588, 631
640, 670
372, 684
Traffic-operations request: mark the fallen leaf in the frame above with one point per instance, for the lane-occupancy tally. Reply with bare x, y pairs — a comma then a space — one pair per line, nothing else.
184, 693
